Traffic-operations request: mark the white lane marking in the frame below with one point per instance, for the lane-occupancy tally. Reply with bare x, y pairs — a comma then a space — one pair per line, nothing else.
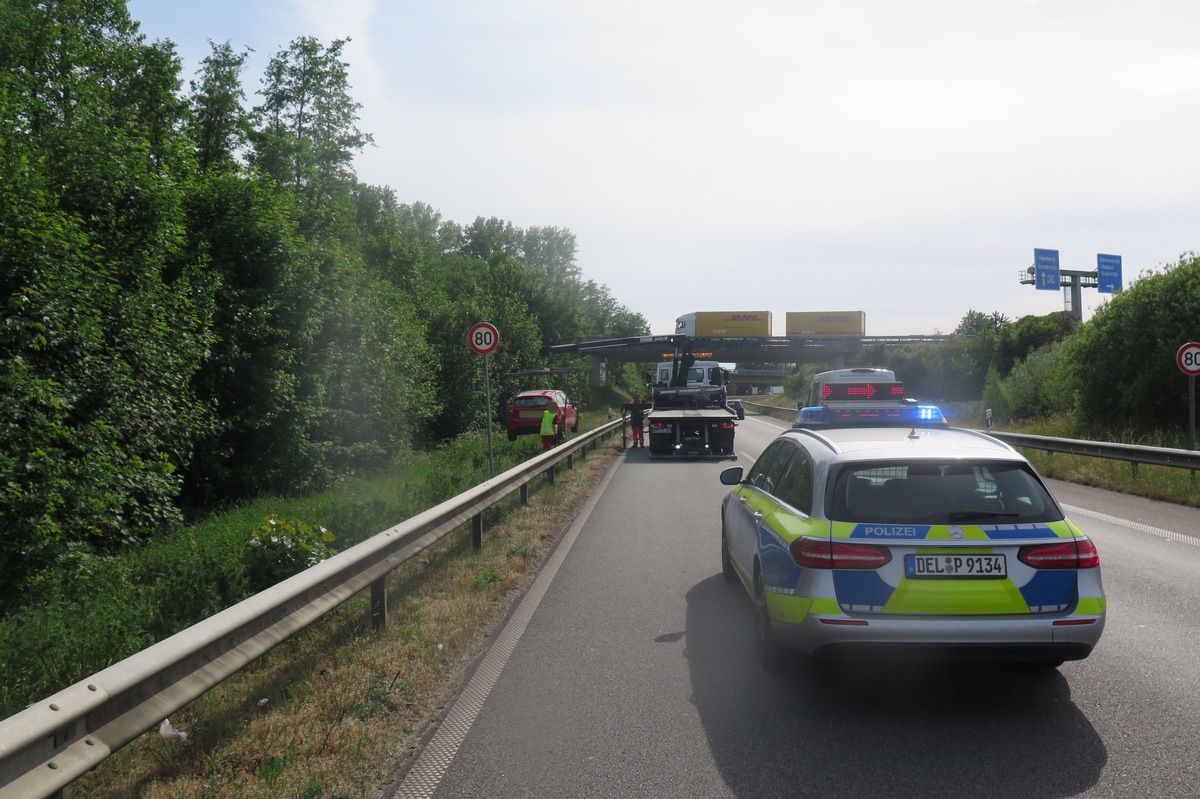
763, 418
1170, 535
426, 774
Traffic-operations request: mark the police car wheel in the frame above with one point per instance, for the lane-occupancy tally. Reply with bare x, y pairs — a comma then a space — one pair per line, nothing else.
726, 564
770, 651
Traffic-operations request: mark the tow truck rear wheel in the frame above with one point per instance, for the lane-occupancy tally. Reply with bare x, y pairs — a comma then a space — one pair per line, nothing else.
770, 651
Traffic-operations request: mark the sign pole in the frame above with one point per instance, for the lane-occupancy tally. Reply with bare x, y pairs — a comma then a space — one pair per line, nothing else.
1191, 412
487, 392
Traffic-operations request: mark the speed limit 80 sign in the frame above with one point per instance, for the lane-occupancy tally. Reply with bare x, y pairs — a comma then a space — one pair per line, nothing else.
483, 338
1188, 358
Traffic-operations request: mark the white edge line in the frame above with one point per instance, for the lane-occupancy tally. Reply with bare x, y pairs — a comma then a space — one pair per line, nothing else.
1170, 535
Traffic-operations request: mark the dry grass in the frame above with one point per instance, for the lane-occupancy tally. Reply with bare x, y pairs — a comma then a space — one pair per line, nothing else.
339, 709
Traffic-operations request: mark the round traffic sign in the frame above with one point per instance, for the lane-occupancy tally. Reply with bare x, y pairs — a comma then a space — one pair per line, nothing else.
483, 338
1188, 358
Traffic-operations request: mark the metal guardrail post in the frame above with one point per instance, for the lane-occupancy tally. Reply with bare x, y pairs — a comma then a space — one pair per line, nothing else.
477, 532
379, 603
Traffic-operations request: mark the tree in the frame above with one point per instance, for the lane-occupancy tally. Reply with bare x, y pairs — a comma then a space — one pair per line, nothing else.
975, 323
461, 292
220, 126
310, 129
100, 337
1039, 386
1030, 333
265, 318
398, 242
552, 250
1124, 356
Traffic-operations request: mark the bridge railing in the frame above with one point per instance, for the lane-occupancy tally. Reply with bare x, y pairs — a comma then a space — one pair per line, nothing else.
53, 742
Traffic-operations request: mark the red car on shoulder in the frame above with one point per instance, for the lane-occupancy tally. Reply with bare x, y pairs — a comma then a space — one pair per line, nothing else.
525, 413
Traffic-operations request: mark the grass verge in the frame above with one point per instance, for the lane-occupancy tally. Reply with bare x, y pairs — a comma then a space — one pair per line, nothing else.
337, 710
1164, 483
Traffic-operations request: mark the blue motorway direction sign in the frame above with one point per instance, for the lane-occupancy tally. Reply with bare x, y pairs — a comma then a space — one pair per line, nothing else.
1108, 273
1045, 265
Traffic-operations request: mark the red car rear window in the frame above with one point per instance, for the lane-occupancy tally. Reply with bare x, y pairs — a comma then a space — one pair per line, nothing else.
531, 402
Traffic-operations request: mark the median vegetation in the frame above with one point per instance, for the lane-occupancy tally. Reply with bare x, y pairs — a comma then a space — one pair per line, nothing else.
84, 619
337, 709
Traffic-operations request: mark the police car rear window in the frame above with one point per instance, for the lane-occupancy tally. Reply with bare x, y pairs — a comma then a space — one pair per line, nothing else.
926, 492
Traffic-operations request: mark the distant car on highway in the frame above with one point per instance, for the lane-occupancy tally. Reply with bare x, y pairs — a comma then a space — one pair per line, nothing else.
525, 413
890, 533
737, 407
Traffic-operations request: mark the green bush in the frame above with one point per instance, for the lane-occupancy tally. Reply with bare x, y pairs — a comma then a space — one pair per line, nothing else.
1039, 386
282, 548
74, 621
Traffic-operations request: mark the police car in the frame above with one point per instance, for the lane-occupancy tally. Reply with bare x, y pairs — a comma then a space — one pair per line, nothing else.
883, 531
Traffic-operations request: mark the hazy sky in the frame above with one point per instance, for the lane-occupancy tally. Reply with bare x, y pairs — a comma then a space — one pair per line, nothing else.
900, 158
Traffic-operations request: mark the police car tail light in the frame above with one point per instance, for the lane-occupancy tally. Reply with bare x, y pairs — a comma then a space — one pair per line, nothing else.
1078, 554
822, 554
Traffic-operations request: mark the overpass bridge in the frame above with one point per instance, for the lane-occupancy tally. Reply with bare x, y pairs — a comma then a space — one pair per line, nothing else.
834, 352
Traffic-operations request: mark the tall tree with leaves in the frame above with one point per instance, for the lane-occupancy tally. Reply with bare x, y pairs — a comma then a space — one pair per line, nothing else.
309, 134
220, 126
1124, 356
99, 338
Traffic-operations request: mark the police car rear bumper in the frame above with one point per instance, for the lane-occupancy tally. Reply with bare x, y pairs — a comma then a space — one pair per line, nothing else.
988, 638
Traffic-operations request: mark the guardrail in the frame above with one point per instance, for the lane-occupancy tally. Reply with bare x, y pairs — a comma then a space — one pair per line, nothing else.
788, 414
55, 741
1134, 454
1151, 456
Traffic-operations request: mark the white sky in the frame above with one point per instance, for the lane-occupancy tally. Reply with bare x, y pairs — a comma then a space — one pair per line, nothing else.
900, 158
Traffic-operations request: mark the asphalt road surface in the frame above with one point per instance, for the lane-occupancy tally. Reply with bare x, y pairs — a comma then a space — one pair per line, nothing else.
629, 671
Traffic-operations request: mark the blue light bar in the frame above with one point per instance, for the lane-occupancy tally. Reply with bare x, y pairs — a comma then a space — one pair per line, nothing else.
871, 415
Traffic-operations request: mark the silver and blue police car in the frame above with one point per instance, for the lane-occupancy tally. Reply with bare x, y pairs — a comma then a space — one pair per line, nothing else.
883, 531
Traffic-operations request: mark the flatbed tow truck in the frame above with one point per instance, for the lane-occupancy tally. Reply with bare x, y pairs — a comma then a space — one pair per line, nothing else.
689, 417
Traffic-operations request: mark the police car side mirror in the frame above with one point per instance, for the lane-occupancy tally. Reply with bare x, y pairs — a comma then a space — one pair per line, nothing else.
732, 476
